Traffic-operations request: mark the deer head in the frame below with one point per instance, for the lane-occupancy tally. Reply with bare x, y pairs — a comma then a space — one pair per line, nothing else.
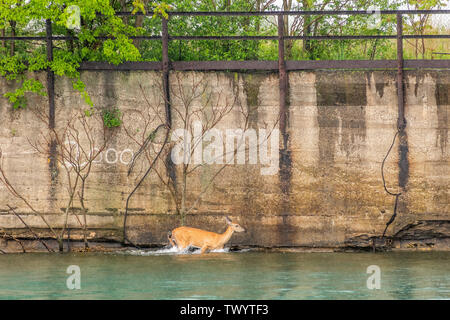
234, 226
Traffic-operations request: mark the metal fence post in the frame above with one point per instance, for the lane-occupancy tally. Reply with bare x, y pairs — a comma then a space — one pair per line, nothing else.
53, 167
282, 79
51, 103
285, 155
401, 123
403, 149
50, 75
166, 65
166, 70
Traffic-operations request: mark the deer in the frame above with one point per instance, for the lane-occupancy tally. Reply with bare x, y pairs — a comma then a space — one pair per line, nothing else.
183, 237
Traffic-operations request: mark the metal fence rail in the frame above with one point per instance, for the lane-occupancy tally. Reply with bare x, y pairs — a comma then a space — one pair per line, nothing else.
255, 65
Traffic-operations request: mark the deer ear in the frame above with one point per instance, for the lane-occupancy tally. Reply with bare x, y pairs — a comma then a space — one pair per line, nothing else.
228, 220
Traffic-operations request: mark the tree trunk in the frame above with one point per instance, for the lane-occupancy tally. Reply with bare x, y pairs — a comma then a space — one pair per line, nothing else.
139, 23
306, 29
183, 195
123, 5
287, 6
60, 245
84, 211
13, 34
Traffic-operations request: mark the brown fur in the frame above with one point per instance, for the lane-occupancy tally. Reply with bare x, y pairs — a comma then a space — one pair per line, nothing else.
184, 237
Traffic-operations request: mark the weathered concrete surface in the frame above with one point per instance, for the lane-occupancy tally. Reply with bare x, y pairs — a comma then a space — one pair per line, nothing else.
340, 127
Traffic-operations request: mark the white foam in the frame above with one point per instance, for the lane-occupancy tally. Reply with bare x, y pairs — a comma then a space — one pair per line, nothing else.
224, 250
169, 251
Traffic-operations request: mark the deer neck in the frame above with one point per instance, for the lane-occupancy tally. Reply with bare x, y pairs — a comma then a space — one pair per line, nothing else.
227, 235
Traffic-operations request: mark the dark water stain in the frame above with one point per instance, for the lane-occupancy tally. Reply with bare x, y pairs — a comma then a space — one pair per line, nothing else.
341, 117
285, 231
285, 164
288, 233
420, 77
54, 171
339, 89
403, 162
251, 89
442, 102
285, 172
252, 84
53, 150
380, 82
379, 86
109, 90
341, 113
109, 101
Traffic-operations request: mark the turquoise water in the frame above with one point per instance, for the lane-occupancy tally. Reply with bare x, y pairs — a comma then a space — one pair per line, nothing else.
226, 275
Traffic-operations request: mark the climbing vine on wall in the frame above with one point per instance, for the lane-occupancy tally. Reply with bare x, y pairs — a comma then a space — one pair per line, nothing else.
112, 118
97, 19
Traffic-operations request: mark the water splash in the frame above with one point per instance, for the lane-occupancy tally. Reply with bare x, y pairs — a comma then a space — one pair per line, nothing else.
169, 251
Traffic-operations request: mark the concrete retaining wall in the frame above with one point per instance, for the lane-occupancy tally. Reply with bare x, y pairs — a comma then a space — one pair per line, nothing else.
341, 124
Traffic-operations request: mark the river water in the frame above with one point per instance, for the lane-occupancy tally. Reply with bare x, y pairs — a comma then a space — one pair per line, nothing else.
164, 274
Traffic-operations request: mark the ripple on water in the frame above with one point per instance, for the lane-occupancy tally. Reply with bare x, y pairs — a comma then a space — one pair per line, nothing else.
225, 275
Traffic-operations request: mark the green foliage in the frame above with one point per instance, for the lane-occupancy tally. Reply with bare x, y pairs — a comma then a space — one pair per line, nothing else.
17, 98
112, 118
206, 25
160, 9
98, 19
139, 5
10, 67
152, 136
120, 50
